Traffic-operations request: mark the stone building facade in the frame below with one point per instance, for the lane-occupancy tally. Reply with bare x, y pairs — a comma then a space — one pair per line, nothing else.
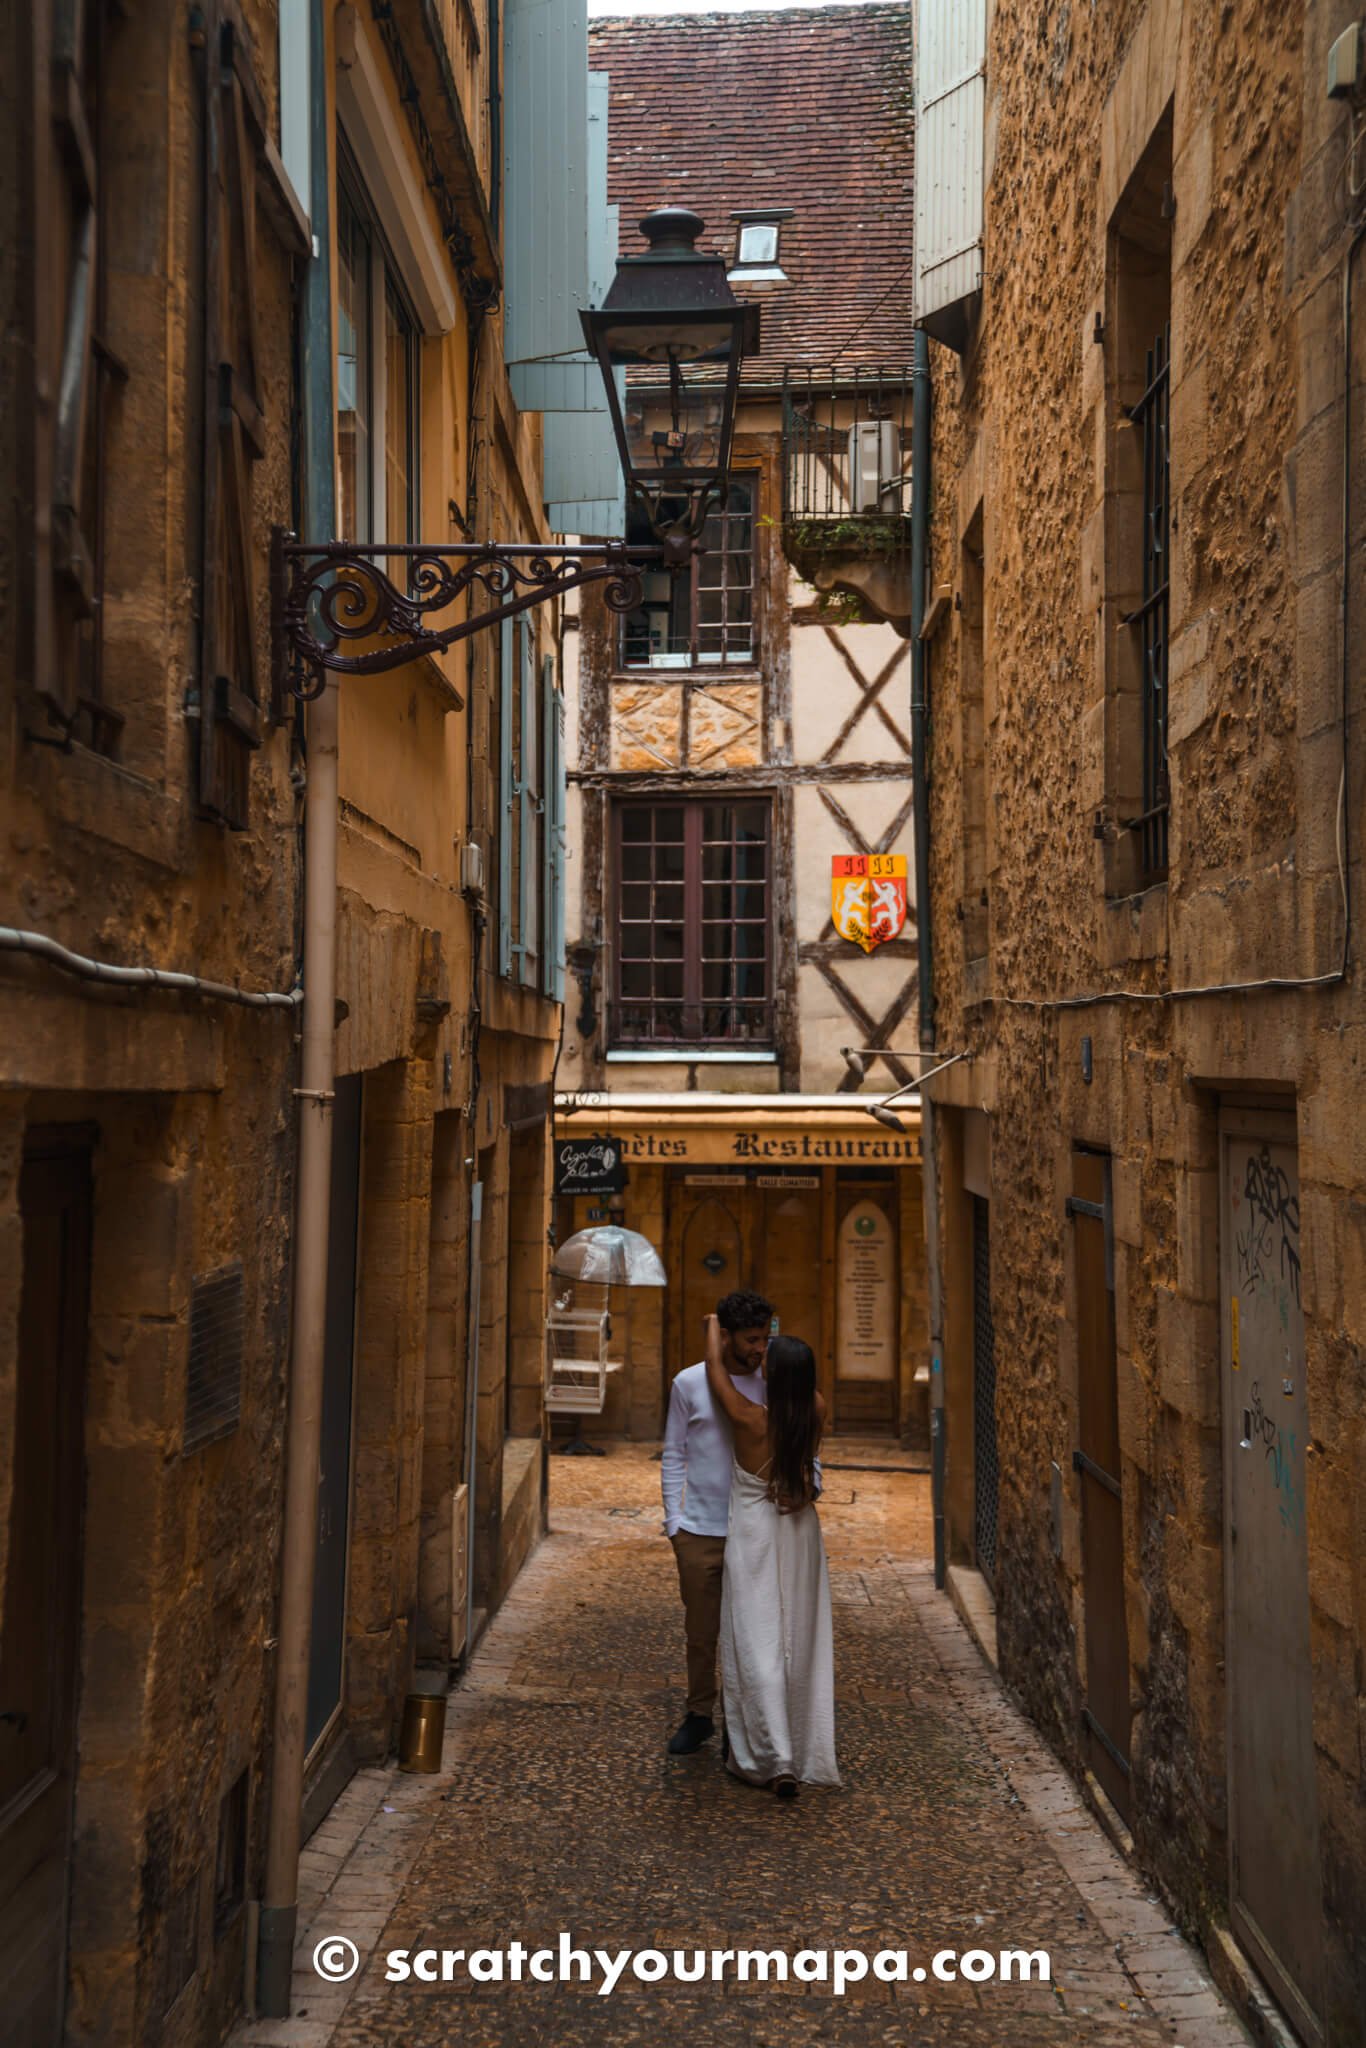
163, 221
747, 727
1144, 783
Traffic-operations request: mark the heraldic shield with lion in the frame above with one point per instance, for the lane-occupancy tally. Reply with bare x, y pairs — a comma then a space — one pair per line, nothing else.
868, 897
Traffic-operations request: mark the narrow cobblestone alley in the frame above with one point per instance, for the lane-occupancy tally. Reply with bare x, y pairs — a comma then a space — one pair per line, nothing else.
558, 1809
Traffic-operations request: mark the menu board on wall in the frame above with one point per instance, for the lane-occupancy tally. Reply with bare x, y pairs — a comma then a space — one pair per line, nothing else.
866, 1299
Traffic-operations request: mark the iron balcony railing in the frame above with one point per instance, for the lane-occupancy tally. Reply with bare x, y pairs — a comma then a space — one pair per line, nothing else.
846, 453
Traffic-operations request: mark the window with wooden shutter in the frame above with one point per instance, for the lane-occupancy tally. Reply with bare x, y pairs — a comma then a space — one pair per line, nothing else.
950, 114
532, 822
234, 426
522, 807
508, 792
553, 889
75, 368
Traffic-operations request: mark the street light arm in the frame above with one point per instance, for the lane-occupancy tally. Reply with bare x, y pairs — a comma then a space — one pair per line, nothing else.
327, 595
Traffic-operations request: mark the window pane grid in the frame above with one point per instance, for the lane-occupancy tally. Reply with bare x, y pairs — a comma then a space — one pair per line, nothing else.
705, 615
692, 928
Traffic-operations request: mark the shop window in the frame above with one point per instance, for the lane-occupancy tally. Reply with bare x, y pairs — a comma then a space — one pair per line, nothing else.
693, 925
703, 617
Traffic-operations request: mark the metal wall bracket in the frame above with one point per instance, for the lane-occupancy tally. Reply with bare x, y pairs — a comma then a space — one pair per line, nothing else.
384, 601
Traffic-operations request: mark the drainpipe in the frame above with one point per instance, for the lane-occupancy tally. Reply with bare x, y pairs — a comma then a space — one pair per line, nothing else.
920, 799
316, 1092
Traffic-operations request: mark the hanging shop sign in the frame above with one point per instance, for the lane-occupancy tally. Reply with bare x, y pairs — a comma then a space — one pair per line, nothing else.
868, 897
589, 1166
866, 1297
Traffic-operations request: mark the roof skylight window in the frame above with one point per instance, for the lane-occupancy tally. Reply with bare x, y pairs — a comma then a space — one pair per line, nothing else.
757, 236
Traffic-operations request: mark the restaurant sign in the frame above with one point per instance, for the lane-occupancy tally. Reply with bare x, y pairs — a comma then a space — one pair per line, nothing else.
769, 1148
589, 1166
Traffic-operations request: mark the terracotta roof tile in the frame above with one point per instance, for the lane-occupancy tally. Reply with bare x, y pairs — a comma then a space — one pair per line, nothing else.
803, 108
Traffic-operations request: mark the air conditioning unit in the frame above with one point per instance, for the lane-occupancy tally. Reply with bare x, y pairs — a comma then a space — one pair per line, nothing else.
874, 466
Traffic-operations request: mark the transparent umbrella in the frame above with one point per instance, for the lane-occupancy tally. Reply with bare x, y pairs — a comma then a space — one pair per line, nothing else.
610, 1256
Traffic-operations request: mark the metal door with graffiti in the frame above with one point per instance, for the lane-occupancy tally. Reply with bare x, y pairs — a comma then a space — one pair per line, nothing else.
1275, 1886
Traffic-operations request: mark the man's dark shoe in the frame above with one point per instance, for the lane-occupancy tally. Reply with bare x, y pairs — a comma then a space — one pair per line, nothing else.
691, 1733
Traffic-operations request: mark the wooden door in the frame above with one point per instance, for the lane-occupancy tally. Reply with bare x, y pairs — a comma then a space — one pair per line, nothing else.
787, 1243
867, 1308
327, 1642
1275, 1880
986, 1466
713, 1238
1105, 1716
39, 1651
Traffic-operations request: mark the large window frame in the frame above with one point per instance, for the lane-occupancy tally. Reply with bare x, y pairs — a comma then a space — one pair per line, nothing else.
692, 918
378, 484
706, 616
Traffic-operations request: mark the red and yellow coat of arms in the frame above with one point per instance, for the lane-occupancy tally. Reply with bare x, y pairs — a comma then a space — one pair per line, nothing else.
868, 897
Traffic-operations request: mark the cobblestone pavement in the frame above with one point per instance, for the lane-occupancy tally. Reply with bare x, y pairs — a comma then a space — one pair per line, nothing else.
557, 1809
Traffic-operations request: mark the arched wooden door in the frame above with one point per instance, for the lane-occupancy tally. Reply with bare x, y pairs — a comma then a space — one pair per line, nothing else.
711, 1259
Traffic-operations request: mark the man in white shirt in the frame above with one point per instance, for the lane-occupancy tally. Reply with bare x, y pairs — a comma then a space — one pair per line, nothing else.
695, 1478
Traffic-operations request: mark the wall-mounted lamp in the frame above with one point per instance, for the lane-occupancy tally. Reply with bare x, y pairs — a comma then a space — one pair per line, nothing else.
883, 1112
582, 959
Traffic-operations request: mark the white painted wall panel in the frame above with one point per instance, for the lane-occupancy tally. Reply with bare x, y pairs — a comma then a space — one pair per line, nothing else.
950, 120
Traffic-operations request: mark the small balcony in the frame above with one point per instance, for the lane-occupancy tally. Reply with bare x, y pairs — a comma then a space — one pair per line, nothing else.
846, 526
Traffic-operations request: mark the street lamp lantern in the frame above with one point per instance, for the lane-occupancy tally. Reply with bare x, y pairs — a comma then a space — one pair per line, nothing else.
669, 339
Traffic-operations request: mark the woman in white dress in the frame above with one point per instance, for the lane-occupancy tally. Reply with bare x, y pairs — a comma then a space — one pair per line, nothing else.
777, 1658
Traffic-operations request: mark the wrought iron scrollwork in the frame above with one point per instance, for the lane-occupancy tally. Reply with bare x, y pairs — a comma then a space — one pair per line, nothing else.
385, 601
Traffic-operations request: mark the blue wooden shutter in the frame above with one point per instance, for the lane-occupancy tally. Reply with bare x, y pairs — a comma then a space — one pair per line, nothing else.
545, 167
528, 797
507, 674
552, 965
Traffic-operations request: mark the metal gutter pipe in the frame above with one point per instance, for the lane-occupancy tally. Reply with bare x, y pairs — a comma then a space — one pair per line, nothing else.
920, 803
316, 1094
15, 940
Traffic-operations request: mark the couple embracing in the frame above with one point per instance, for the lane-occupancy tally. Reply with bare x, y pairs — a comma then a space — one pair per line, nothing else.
741, 1476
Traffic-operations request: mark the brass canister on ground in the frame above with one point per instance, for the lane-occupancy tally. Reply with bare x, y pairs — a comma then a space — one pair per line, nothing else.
424, 1729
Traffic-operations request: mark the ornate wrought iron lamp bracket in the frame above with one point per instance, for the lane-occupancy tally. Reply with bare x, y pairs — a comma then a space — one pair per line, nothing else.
385, 602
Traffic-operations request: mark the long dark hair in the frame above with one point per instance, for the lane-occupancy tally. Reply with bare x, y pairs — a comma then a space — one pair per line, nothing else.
793, 1425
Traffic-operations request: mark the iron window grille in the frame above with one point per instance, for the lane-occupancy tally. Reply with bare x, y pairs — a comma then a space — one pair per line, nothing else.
1151, 416
693, 953
213, 1379
703, 617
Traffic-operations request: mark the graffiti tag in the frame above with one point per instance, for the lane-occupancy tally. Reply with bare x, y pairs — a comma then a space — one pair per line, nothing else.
1272, 1233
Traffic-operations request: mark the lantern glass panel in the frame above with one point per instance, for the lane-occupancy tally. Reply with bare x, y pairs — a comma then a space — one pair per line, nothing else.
675, 435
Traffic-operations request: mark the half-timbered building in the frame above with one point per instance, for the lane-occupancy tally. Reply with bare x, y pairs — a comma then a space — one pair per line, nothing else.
742, 947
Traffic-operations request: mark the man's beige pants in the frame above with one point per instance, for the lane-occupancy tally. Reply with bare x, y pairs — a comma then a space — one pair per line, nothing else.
701, 1560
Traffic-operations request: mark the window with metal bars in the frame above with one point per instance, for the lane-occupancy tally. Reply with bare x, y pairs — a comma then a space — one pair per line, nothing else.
704, 616
1136, 334
1150, 417
692, 924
